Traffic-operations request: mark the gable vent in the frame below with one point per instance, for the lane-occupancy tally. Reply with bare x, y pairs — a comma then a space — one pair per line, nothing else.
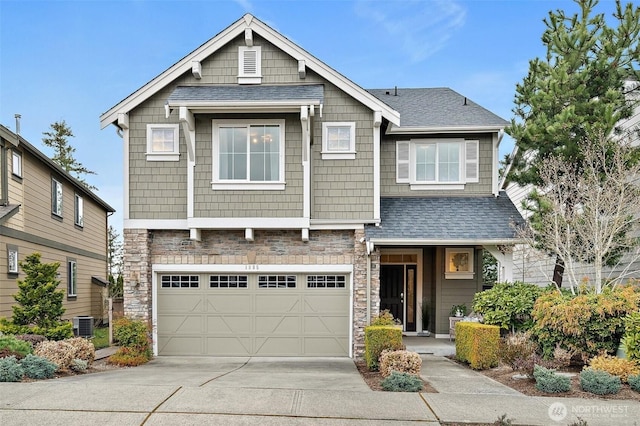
250, 62
249, 65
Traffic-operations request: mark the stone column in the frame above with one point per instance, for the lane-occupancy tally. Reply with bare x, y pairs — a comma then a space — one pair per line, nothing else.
137, 274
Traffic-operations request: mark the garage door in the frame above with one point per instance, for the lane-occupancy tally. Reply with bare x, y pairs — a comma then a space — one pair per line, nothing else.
253, 314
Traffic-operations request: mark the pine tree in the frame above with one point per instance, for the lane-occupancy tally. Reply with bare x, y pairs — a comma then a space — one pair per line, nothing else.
39, 300
578, 92
58, 139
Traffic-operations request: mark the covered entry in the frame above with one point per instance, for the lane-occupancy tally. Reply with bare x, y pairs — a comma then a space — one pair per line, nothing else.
253, 314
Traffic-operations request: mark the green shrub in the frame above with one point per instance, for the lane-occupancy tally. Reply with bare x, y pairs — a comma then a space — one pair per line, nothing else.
631, 338
131, 333
599, 382
402, 382
36, 367
400, 361
586, 324
634, 382
548, 381
128, 357
377, 338
507, 305
477, 344
16, 345
10, 370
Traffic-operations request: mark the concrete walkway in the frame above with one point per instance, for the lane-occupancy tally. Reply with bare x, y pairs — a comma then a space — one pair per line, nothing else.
286, 391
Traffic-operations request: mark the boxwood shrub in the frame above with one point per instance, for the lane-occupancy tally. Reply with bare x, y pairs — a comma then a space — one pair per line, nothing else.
477, 344
377, 338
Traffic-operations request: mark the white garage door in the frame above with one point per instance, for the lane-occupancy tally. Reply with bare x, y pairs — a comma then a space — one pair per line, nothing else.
253, 314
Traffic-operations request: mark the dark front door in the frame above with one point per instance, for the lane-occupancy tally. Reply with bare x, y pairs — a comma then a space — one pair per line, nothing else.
391, 290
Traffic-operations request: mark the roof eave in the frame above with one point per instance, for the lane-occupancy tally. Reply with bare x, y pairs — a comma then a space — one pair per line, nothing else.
395, 130
224, 37
444, 242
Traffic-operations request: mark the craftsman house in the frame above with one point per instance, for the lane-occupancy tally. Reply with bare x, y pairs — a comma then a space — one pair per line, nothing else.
273, 206
44, 209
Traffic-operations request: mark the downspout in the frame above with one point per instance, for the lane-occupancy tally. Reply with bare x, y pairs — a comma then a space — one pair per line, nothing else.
369, 246
4, 174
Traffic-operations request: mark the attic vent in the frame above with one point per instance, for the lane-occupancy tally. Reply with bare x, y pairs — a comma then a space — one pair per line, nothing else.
249, 65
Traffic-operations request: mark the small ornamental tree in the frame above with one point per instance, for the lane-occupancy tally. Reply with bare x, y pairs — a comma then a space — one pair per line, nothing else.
39, 302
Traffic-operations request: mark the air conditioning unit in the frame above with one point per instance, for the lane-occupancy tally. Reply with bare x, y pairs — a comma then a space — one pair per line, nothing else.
83, 326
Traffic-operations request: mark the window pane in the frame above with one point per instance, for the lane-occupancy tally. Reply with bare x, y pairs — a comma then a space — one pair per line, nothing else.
16, 167
79, 211
339, 138
162, 140
265, 146
233, 153
425, 163
449, 162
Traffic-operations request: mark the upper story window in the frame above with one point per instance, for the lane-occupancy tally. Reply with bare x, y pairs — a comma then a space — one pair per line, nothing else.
163, 142
437, 163
79, 211
56, 197
16, 164
339, 141
249, 65
248, 155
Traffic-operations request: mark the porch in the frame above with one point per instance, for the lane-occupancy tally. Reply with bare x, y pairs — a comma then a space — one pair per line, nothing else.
429, 345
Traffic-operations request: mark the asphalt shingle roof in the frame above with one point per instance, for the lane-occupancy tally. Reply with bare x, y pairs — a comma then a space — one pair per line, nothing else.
436, 107
312, 92
446, 218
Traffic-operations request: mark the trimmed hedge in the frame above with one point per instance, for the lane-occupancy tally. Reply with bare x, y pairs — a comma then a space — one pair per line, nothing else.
477, 344
377, 338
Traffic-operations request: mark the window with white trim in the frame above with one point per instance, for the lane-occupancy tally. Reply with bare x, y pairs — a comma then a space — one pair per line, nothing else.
12, 259
248, 154
72, 278
163, 142
437, 163
16, 163
249, 65
180, 281
276, 281
79, 211
326, 281
228, 281
339, 141
56, 197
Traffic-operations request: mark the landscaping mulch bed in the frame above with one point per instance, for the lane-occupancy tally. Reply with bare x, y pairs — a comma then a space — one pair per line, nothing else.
504, 375
374, 378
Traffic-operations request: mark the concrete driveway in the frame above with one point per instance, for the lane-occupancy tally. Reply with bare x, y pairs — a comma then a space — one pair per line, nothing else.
199, 390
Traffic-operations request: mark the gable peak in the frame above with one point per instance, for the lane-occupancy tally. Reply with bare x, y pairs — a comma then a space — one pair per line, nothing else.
248, 18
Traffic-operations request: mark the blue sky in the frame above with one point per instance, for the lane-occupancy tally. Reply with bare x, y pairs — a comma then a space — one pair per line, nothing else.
73, 60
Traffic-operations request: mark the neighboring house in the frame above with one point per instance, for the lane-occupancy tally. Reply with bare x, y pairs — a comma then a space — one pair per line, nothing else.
536, 266
273, 206
44, 209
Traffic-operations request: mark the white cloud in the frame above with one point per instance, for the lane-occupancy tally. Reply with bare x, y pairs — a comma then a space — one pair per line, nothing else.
418, 27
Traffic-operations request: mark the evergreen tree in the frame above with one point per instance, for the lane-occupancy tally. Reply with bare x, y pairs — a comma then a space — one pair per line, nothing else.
38, 297
578, 92
58, 139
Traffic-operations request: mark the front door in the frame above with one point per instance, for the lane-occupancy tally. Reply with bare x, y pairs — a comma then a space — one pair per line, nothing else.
392, 290
398, 293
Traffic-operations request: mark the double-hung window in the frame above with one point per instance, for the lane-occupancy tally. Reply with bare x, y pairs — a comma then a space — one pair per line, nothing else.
338, 141
437, 163
79, 211
56, 198
163, 142
248, 155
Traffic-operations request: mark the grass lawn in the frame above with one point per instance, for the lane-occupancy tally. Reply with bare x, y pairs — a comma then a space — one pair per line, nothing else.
100, 337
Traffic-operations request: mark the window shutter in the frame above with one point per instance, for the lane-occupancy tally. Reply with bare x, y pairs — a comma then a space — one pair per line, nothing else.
402, 161
471, 161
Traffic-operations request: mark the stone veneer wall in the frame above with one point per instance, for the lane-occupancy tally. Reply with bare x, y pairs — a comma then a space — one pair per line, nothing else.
144, 248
